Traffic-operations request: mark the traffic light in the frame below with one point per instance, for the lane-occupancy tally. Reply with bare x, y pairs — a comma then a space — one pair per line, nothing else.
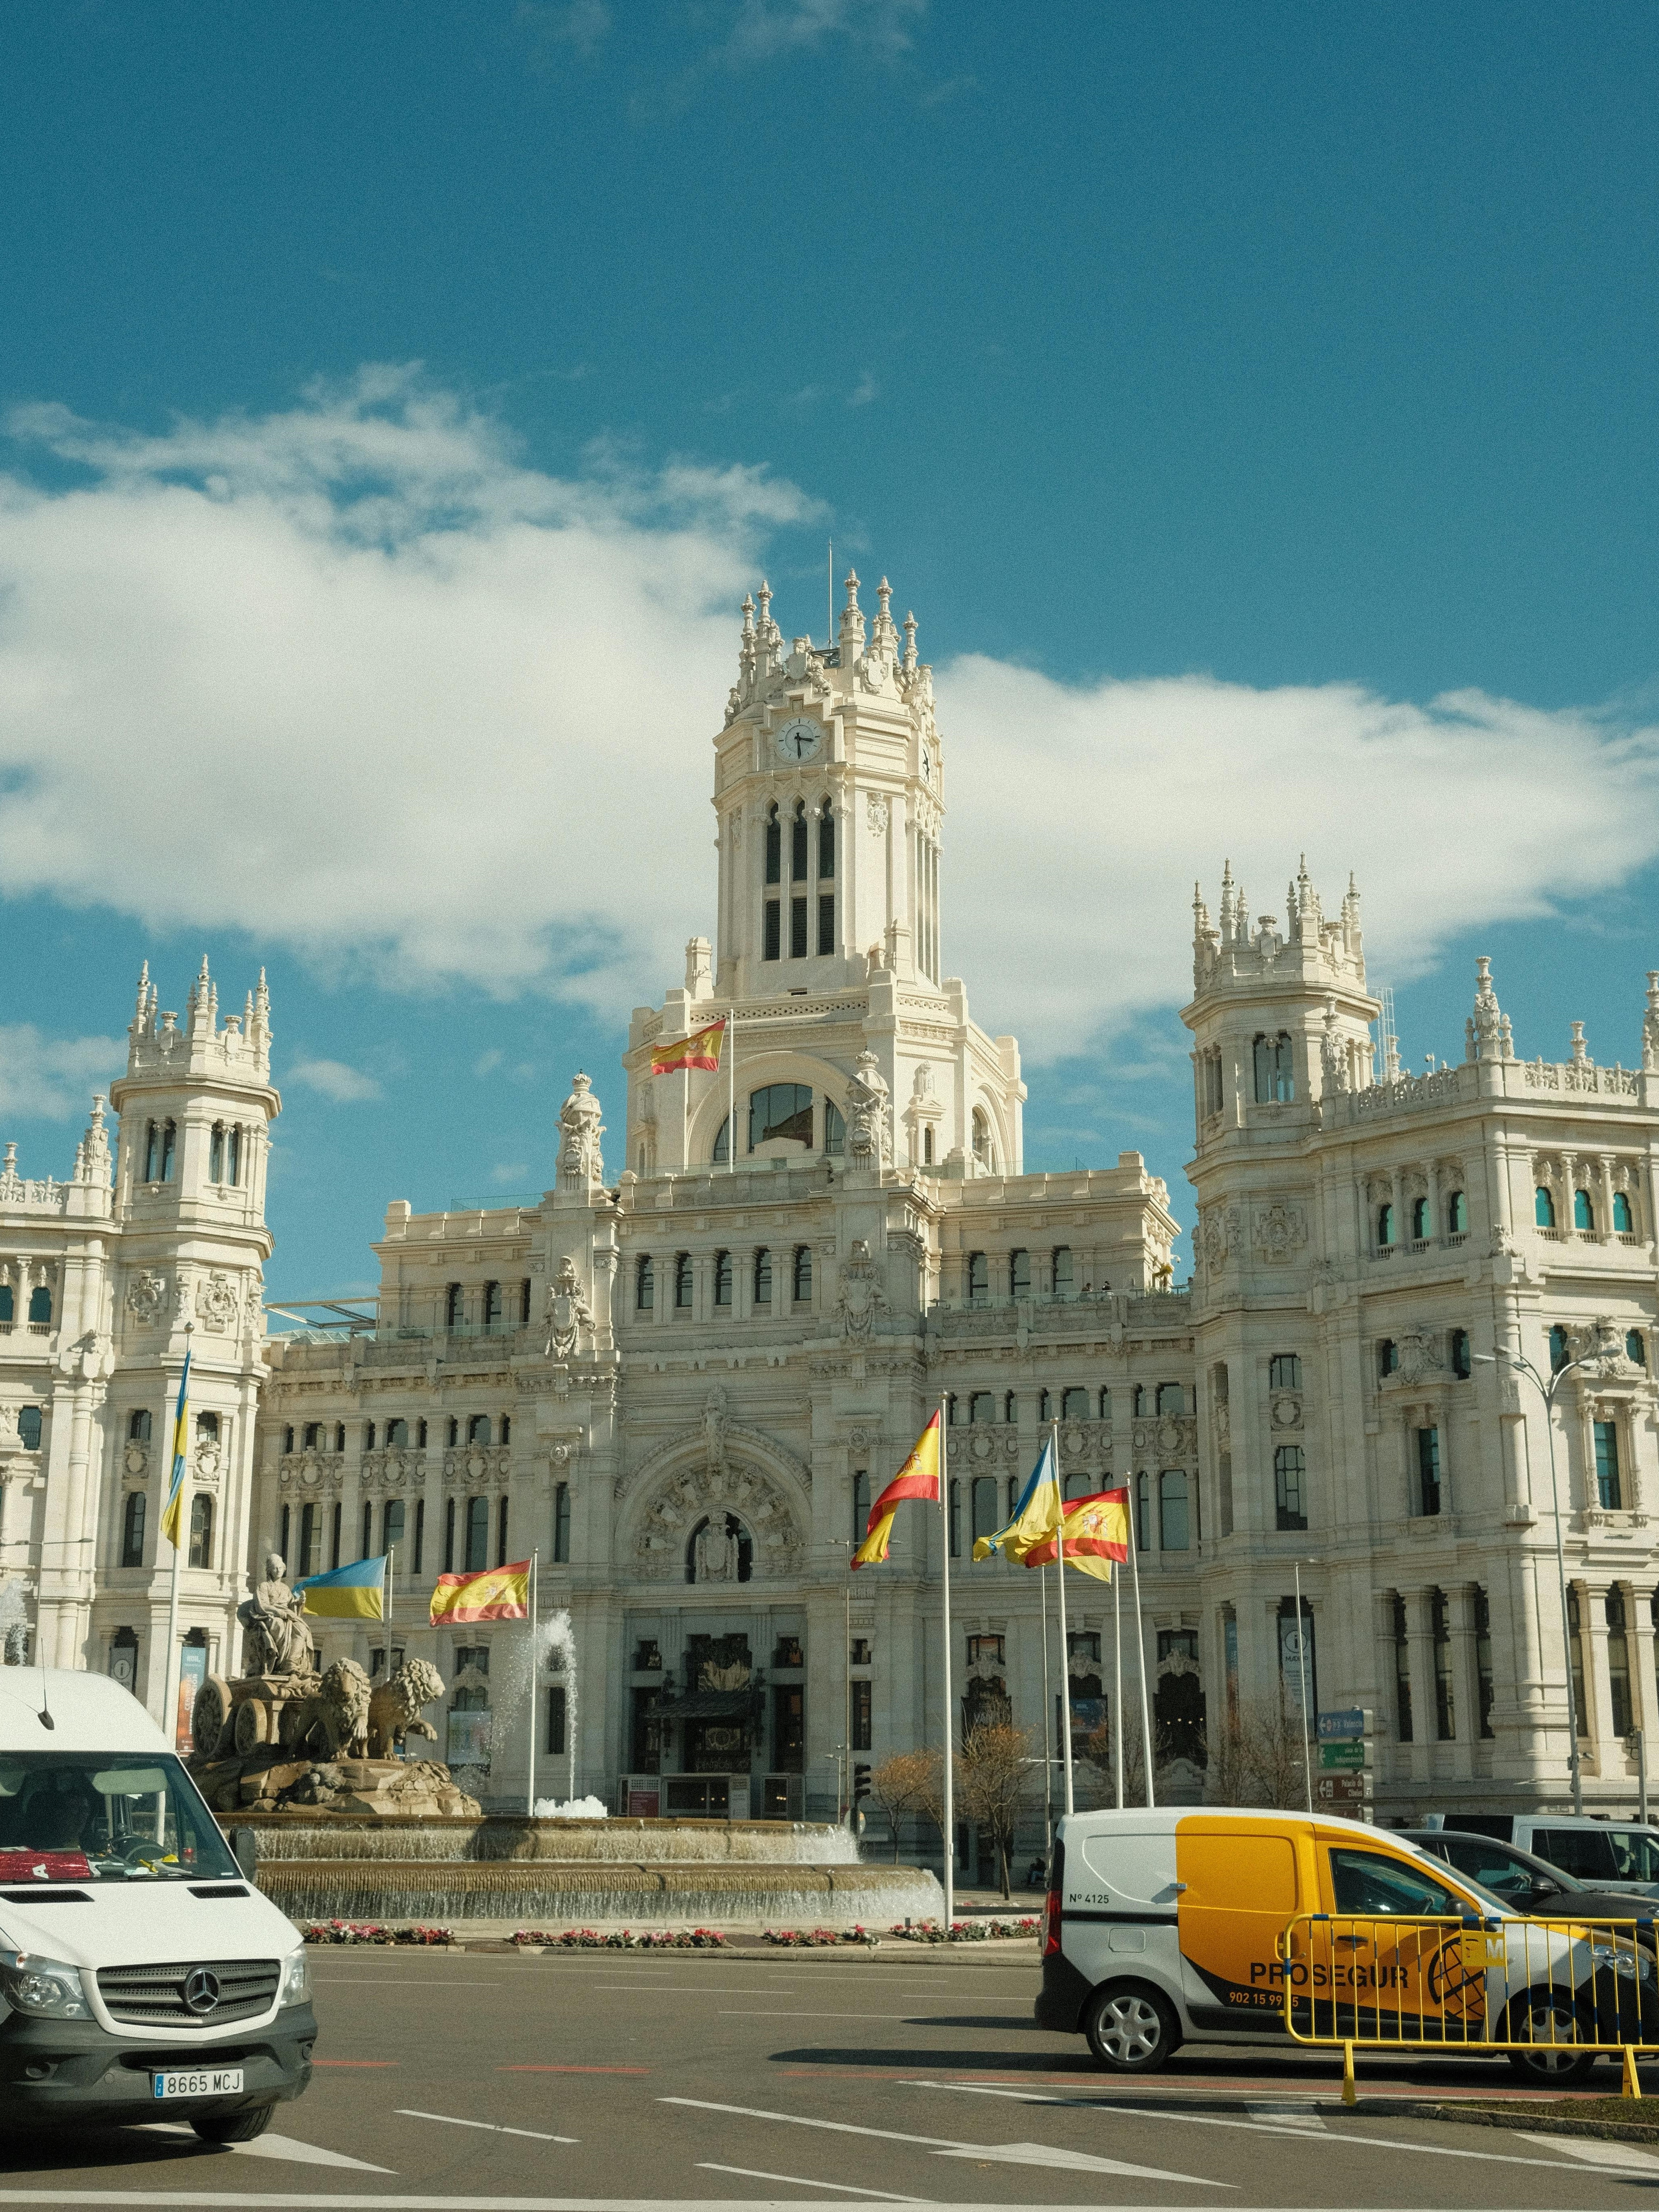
861, 1785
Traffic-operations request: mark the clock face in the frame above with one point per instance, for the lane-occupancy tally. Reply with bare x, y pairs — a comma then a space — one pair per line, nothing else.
798, 740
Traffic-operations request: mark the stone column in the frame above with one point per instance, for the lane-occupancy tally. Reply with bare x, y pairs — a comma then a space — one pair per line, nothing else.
1419, 1637
1397, 1202
1570, 1181
1465, 1679
1597, 1723
1604, 1198
1436, 1226
1644, 1684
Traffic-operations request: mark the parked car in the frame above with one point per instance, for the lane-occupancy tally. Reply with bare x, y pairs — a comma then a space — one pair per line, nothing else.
141, 1977
1532, 1885
1620, 1854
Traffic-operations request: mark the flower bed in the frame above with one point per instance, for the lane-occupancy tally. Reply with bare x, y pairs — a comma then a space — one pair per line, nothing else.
652, 1939
966, 1931
371, 1931
818, 1939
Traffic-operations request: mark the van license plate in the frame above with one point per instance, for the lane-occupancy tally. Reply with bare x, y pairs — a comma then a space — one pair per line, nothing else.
202, 2081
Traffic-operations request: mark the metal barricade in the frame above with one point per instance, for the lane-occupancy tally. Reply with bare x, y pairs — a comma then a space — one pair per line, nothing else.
1387, 1982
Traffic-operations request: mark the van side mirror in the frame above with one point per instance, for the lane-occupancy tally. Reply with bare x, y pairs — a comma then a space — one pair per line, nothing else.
1542, 1886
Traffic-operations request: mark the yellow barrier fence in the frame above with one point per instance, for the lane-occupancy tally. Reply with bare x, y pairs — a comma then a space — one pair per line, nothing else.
1557, 1991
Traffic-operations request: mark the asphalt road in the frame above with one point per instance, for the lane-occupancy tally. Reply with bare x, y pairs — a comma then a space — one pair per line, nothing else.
611, 2080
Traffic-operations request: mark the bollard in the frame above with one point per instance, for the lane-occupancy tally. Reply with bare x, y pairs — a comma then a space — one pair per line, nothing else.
1349, 2096
1632, 2086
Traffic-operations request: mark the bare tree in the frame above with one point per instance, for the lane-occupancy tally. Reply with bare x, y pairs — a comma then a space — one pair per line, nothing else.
909, 1782
993, 1775
1257, 1759
1097, 1749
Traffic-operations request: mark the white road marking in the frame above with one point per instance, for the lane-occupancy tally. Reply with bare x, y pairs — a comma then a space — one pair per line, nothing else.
896, 2019
269, 2146
947, 2147
749, 1988
805, 2181
1323, 2135
383, 1982
1294, 2118
449, 2121
1626, 2156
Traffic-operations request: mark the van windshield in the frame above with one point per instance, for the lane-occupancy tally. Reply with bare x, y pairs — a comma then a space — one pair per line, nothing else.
99, 1816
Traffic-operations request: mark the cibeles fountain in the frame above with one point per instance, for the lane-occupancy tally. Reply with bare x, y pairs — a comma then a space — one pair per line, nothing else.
308, 1770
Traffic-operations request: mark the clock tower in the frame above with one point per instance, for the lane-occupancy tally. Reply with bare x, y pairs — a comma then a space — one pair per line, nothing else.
829, 797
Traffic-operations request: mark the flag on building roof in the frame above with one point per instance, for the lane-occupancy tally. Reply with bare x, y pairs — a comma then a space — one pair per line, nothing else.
1096, 1532
173, 1513
1035, 1514
700, 1049
353, 1593
917, 1478
491, 1594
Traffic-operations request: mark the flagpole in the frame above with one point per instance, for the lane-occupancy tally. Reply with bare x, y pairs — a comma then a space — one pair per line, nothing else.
390, 1599
1047, 1728
175, 1657
950, 1805
1141, 1649
1065, 1647
732, 1092
535, 1696
1117, 1715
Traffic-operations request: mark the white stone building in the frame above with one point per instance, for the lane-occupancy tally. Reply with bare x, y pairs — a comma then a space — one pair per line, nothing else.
680, 1383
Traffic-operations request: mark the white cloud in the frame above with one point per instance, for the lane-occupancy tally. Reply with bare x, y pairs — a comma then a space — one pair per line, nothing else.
508, 1171
863, 392
333, 1078
1090, 809
53, 1077
488, 1062
766, 29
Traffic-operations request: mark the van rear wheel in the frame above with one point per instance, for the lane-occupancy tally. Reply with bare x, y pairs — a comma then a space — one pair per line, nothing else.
1130, 2028
1551, 2021
233, 2127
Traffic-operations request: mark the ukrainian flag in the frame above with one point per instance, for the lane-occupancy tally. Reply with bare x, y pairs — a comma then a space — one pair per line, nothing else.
1036, 1516
353, 1593
173, 1513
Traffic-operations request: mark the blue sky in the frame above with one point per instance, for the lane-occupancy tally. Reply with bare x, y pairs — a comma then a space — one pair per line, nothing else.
1256, 406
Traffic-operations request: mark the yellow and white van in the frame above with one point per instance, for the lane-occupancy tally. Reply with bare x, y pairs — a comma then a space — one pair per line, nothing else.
1162, 1926
140, 1977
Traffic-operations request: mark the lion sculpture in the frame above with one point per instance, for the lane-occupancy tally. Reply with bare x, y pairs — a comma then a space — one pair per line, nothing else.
394, 1709
343, 1707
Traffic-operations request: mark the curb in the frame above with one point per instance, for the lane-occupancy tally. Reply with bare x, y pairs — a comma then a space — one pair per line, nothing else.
1487, 2116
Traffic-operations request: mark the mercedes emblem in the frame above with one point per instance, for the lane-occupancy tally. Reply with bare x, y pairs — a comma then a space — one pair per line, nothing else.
201, 1989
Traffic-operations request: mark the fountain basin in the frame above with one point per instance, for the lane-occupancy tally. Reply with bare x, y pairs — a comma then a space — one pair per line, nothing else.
305, 1832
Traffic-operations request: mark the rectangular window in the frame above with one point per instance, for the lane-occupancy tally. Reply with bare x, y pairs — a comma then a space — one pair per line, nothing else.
420, 1531
646, 1739
772, 944
561, 1523
367, 1545
556, 1706
798, 929
861, 1716
449, 1535
860, 1505
788, 1728
334, 1536
984, 1497
1172, 1515
981, 1406
798, 844
1575, 1653
826, 842
956, 1518
1445, 1711
1609, 1491
500, 1533
1019, 1274
1402, 1673
1618, 1663
1428, 1472
1483, 1657
1289, 1498
1074, 1405
827, 927
1143, 1513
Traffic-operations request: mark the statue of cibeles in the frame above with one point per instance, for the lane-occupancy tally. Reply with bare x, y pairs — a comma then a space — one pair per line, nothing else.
278, 1635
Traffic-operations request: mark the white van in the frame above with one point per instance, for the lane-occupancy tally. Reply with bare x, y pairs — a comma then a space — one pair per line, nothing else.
1621, 1855
140, 1977
1166, 1924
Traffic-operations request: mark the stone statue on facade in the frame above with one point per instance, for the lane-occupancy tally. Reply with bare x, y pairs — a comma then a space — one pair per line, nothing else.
581, 1166
278, 1636
869, 1135
567, 1311
714, 1549
860, 1298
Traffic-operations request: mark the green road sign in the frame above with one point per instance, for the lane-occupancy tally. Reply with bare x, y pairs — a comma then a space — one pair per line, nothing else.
1341, 1758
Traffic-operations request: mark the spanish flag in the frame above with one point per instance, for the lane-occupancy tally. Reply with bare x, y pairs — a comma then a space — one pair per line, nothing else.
353, 1593
700, 1049
1036, 1516
492, 1594
917, 1478
1095, 1532
173, 1513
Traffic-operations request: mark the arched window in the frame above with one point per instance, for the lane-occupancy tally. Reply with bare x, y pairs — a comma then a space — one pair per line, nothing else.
478, 1429
368, 1436
1076, 1485
834, 1128
1290, 1497
722, 1278
826, 839
1059, 1271
1387, 1356
772, 908
207, 1428
1460, 1354
1019, 1272
152, 1151
1174, 1524
1457, 1214
716, 1544
722, 1151
1074, 1405
1140, 1400
200, 1530
1624, 1222
28, 1427
454, 1437
927, 1145
1384, 1227
453, 1306
773, 846
1421, 1225
492, 1305
1636, 1350
132, 1529
506, 1428
1276, 1074
1584, 1211
644, 1284
1045, 1408
798, 843
477, 1534
138, 1425
217, 1153
1558, 1352
683, 1281
1010, 1407
979, 1279
1171, 1399
1105, 1405
233, 1156
803, 1273
781, 1109
397, 1435
762, 1277
982, 1152
1285, 1371
1543, 1208
39, 1305
981, 1406
288, 1438
169, 1139
420, 1436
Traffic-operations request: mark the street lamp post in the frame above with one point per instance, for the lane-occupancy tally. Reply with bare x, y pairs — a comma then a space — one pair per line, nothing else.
1523, 1365
1302, 1672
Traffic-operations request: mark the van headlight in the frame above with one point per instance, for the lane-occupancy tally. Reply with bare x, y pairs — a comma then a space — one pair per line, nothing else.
42, 1987
1633, 1964
296, 1978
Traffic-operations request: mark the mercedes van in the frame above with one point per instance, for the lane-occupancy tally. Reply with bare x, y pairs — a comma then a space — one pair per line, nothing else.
1621, 1855
140, 1977
1169, 1925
